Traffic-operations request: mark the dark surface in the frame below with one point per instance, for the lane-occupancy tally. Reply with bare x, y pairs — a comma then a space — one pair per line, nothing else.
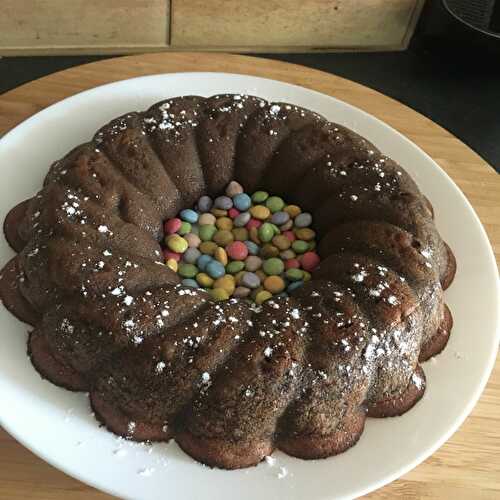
453, 87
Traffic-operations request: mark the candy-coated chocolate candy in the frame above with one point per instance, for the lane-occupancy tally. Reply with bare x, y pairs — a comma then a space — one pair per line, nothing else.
233, 213
171, 226
260, 196
221, 256
237, 250
303, 220
235, 267
215, 269
262, 296
292, 264
234, 188
204, 280
207, 220
208, 247
205, 203
266, 232
223, 202
242, 202
189, 215
207, 232
274, 284
310, 261
300, 246
203, 261
224, 223
191, 255
190, 282
260, 212
176, 243
187, 270
218, 294
172, 264
273, 266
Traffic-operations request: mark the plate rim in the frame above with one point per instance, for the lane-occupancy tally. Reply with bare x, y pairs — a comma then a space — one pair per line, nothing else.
19, 129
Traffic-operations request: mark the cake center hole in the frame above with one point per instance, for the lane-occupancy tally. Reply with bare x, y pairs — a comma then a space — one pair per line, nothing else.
244, 245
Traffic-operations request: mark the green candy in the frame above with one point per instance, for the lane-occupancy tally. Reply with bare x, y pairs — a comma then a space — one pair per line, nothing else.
177, 243
276, 229
273, 266
184, 229
300, 246
266, 232
206, 232
235, 267
218, 294
187, 270
294, 274
260, 196
275, 204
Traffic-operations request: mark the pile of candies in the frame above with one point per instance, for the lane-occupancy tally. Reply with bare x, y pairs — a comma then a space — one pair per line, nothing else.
242, 246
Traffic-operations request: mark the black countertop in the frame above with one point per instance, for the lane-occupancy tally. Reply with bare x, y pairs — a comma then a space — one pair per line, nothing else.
458, 90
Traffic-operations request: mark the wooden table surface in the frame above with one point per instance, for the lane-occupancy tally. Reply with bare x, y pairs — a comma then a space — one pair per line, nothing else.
468, 465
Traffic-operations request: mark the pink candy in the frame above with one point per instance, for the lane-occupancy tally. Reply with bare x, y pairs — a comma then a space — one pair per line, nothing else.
237, 250
292, 264
290, 235
310, 261
168, 254
233, 212
172, 225
253, 223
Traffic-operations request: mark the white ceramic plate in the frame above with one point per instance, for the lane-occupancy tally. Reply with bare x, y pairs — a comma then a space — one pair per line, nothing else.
58, 426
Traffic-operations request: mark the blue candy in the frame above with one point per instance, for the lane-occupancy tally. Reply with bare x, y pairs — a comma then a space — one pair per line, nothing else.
203, 261
293, 286
215, 269
242, 202
205, 204
253, 248
190, 282
189, 215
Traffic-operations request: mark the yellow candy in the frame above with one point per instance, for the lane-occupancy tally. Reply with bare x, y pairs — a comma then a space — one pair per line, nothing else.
223, 237
292, 210
254, 235
274, 284
240, 233
218, 212
221, 255
224, 223
172, 264
307, 276
268, 251
282, 242
208, 247
256, 291
204, 280
260, 212
227, 283
304, 233
218, 294
262, 296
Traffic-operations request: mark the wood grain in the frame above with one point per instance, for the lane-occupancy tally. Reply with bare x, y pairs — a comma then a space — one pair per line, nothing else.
468, 465
315, 23
129, 26
83, 24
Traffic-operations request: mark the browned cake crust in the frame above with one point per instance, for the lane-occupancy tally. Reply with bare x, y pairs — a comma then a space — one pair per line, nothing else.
230, 382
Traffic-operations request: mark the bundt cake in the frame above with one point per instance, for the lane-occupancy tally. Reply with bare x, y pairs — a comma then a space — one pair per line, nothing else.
230, 381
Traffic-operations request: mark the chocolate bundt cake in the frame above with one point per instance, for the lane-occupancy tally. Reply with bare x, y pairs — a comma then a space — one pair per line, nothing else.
230, 381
